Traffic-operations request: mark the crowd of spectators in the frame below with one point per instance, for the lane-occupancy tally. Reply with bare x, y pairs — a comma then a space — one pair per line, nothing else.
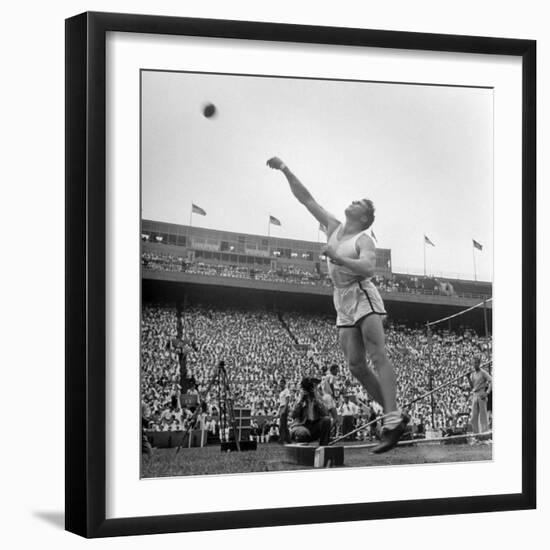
162, 262
296, 274
159, 367
414, 284
420, 363
292, 274
283, 274
260, 347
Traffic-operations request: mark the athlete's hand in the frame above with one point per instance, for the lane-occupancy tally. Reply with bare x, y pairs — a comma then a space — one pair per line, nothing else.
331, 253
276, 163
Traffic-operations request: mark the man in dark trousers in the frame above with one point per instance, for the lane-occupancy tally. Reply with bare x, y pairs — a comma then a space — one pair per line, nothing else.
311, 420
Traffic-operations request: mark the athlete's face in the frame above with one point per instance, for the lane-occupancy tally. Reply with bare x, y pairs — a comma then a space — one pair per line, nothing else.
357, 209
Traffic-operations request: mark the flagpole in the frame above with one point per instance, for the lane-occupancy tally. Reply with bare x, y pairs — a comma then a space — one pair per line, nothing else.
268, 227
424, 255
485, 318
189, 230
474, 255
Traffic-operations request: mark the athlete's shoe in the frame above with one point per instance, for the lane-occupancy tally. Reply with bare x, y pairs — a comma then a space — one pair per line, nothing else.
389, 438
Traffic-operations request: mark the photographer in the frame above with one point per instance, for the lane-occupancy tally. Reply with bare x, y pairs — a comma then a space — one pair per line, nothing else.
311, 420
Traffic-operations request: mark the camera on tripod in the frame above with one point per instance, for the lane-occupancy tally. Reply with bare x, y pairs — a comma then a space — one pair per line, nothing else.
232, 427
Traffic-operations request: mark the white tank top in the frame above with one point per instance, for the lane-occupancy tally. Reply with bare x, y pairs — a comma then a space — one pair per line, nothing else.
341, 276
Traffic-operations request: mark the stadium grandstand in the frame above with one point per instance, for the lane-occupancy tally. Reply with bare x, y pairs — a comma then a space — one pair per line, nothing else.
264, 306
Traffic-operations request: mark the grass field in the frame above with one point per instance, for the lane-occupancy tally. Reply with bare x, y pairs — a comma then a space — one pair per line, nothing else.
271, 457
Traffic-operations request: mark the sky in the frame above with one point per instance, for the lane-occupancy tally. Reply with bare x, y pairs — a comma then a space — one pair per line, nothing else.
422, 154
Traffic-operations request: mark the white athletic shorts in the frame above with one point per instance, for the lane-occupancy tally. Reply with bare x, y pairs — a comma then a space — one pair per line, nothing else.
355, 302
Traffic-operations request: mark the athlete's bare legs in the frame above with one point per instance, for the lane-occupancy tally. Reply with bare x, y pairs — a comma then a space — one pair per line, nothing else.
351, 341
375, 344
368, 338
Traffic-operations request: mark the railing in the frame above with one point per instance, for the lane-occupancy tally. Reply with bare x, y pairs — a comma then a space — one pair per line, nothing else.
425, 292
453, 276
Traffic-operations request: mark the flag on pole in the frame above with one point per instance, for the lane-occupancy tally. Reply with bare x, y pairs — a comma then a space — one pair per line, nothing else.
477, 245
427, 241
373, 235
198, 210
273, 220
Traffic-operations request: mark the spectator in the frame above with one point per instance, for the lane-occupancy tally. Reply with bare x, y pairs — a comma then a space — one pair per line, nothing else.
284, 399
348, 411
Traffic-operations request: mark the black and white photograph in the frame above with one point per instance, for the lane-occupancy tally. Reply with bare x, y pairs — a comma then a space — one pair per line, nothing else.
316, 273
274, 274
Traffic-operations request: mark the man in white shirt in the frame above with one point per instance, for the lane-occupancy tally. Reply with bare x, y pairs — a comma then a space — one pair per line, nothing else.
348, 412
328, 387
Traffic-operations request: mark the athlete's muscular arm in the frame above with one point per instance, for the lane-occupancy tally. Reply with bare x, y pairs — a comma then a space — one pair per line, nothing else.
364, 265
300, 191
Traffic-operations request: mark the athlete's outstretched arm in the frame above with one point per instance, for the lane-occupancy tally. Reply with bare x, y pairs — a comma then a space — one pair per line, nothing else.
300, 191
364, 265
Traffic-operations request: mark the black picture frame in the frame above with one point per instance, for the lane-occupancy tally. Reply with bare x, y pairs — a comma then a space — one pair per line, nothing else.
86, 263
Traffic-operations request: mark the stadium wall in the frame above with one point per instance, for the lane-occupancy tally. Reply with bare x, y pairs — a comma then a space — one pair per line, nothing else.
409, 309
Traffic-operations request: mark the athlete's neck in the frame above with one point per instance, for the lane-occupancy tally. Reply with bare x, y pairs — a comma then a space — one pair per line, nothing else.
351, 227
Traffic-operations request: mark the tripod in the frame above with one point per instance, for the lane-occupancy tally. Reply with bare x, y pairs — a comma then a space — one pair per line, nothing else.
225, 406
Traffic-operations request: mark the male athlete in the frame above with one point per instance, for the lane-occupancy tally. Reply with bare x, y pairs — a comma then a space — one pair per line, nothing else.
351, 256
